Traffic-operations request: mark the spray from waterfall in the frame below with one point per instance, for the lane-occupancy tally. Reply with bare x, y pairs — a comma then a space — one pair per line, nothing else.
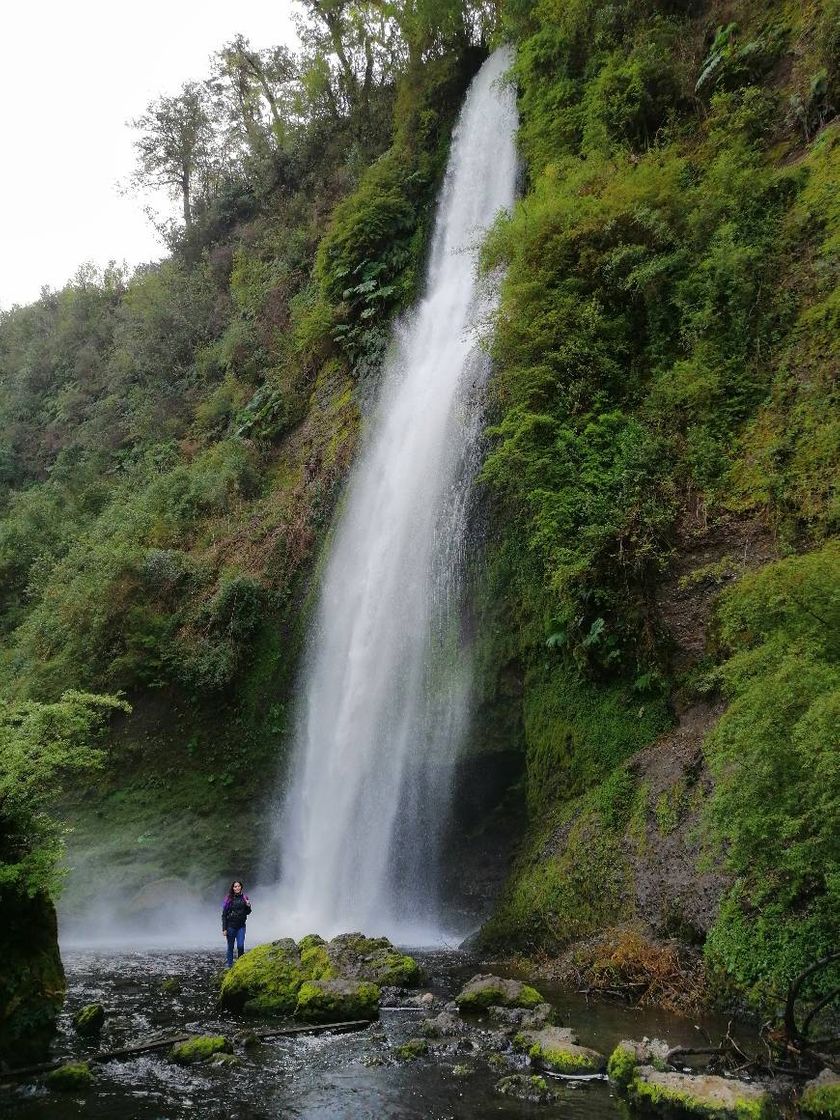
386, 681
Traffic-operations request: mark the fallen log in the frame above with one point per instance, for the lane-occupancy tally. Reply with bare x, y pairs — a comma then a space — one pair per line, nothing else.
140, 1048
100, 1056
322, 1028
162, 1043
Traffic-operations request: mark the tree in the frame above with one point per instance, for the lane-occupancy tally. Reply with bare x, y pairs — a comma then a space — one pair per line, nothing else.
359, 40
177, 148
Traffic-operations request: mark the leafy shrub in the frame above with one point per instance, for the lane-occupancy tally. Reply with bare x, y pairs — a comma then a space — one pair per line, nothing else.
776, 805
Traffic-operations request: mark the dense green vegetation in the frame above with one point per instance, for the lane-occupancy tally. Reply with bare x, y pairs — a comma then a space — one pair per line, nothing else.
666, 355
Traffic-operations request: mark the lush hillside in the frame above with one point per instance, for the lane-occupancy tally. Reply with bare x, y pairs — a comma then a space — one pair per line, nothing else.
656, 605
666, 428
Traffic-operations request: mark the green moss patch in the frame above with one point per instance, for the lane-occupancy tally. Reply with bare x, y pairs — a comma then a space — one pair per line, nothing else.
412, 1050
372, 958
89, 1019
492, 991
328, 1001
270, 974
704, 1096
73, 1077
557, 1049
199, 1049
622, 1066
821, 1098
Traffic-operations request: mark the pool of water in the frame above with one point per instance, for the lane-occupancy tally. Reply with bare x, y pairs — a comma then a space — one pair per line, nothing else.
351, 1075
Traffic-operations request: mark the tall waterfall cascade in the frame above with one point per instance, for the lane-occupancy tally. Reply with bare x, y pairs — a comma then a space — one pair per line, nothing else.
385, 688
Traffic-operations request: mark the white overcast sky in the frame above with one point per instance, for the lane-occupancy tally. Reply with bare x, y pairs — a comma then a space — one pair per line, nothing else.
73, 73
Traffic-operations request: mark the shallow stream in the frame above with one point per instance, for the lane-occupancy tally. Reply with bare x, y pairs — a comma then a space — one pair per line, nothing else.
351, 1075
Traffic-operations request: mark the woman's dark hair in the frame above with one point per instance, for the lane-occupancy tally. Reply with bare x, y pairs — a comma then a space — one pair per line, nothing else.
229, 895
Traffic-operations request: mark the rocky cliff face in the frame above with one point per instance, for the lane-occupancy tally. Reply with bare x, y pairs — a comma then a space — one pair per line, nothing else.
32, 977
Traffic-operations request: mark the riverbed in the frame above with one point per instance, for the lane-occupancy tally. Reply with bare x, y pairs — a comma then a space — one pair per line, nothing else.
351, 1075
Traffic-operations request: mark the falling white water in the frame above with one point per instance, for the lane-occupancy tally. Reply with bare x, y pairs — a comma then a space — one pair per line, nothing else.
387, 676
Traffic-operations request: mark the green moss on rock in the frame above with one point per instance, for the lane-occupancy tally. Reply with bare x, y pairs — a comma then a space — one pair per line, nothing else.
557, 1049
412, 1050
199, 1049
265, 980
372, 958
704, 1096
73, 1077
492, 991
89, 1019
821, 1097
622, 1065
327, 1001
522, 1087
315, 962
311, 941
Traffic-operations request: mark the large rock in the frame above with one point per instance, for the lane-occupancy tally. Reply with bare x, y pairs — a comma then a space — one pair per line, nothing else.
332, 1001
268, 980
557, 1049
702, 1095
492, 991
31, 977
821, 1097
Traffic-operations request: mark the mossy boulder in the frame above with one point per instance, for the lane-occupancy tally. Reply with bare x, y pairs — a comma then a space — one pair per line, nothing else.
412, 1050
821, 1097
444, 1025
73, 1077
265, 980
372, 958
332, 1001
492, 991
525, 1088
629, 1054
199, 1049
171, 986
89, 1019
703, 1095
557, 1049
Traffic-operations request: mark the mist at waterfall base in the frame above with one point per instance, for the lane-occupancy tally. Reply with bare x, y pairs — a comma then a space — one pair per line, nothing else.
385, 690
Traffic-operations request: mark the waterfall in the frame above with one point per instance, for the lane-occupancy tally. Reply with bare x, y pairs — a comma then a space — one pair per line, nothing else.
386, 680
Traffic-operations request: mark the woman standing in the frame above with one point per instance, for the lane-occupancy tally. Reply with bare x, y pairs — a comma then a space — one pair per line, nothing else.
235, 911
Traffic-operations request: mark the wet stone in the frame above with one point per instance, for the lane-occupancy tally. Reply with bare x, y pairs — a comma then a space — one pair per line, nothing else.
72, 1077
486, 991
89, 1019
527, 1088
557, 1049
521, 1018
444, 1025
702, 1095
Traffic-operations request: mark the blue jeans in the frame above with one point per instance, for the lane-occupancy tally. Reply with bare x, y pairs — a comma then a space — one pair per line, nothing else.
237, 935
